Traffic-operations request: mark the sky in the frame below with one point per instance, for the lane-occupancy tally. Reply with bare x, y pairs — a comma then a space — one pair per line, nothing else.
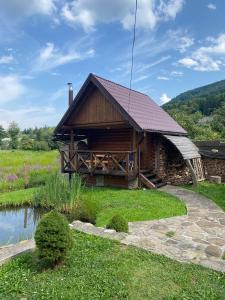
180, 45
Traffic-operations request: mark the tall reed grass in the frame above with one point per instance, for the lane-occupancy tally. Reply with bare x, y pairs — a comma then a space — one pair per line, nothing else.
59, 193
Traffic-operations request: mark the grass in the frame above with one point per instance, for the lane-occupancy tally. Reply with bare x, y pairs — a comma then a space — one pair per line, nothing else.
21, 169
11, 160
60, 193
170, 234
213, 191
133, 205
104, 269
17, 198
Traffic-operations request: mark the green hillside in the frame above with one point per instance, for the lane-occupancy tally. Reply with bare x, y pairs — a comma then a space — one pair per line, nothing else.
201, 111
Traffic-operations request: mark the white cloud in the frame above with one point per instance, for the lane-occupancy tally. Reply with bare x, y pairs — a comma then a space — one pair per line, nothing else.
188, 62
51, 57
140, 78
164, 98
163, 78
171, 8
30, 116
185, 43
211, 6
21, 8
6, 59
140, 68
87, 13
11, 88
177, 73
207, 58
146, 17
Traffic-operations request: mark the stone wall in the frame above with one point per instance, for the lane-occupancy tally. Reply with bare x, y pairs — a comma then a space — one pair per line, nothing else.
214, 167
171, 166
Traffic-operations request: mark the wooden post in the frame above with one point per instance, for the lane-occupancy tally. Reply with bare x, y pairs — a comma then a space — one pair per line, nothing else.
62, 161
134, 149
157, 154
71, 148
127, 163
193, 175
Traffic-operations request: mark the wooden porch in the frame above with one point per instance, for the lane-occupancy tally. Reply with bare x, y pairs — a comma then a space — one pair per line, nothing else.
118, 163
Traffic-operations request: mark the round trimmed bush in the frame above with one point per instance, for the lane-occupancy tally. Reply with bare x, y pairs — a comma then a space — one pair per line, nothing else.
86, 211
118, 223
53, 239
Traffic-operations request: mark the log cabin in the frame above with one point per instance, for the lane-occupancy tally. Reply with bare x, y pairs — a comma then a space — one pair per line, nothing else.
115, 136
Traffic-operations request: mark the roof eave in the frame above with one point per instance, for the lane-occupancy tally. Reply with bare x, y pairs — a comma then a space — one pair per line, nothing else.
167, 132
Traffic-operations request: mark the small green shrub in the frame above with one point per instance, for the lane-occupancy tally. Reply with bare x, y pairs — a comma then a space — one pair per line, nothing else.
118, 223
85, 210
53, 238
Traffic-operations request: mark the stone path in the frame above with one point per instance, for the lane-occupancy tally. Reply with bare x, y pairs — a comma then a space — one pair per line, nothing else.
198, 237
10, 251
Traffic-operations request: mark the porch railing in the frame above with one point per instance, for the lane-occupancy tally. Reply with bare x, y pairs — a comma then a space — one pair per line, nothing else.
99, 162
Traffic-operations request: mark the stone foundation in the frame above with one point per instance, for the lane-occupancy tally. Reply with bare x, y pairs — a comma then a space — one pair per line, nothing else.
214, 167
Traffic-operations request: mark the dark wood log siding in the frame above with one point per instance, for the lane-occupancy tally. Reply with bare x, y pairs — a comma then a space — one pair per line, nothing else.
111, 181
94, 110
111, 139
148, 152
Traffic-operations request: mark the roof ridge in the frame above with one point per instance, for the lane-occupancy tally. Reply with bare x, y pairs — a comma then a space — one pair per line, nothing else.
119, 85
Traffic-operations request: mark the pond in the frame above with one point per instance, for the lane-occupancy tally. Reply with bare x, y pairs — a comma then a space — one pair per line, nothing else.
18, 224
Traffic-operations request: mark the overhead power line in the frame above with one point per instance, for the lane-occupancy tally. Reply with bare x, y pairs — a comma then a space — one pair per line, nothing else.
132, 50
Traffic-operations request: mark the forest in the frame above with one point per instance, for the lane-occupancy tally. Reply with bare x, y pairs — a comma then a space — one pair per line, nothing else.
37, 139
201, 111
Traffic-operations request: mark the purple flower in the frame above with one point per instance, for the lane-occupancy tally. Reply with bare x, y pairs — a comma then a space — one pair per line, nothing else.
12, 177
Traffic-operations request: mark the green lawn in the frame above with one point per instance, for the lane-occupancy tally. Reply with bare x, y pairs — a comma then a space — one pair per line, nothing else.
215, 192
17, 198
11, 161
134, 205
20, 169
103, 269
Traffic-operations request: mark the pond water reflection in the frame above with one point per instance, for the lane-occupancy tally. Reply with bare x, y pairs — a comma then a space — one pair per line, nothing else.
18, 224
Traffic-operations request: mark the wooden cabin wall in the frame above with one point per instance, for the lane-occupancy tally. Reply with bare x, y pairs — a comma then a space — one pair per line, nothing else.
110, 181
96, 109
148, 152
110, 139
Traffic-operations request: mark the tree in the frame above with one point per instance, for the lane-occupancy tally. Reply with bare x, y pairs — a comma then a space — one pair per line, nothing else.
3, 134
13, 132
53, 239
26, 143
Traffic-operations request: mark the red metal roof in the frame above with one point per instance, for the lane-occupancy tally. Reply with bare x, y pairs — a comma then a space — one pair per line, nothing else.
138, 108
141, 108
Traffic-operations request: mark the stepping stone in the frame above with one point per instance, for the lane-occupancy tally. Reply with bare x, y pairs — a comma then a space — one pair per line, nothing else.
213, 251
217, 241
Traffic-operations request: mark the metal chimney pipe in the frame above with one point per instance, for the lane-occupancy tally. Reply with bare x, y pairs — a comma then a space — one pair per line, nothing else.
70, 93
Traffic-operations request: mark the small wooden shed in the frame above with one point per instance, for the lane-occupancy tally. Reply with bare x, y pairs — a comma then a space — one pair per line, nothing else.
120, 137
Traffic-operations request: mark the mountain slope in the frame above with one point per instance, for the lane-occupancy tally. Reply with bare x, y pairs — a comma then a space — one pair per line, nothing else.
205, 99
201, 111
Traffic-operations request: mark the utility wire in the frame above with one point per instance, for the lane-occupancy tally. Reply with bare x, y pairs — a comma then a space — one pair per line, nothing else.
132, 51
